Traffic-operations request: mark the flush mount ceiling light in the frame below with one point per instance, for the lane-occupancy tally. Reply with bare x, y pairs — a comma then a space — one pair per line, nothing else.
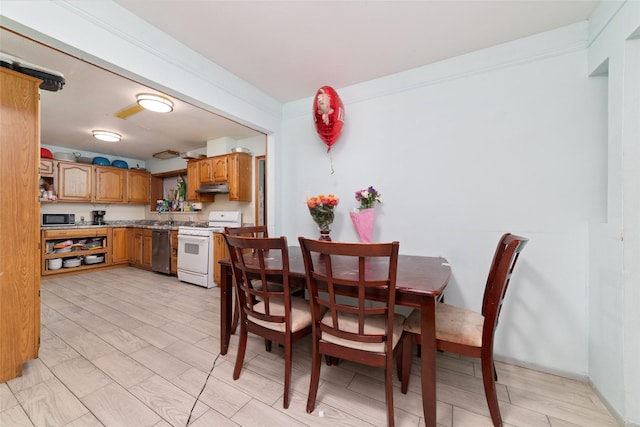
105, 135
155, 103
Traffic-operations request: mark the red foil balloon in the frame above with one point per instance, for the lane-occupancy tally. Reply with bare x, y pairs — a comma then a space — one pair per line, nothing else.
328, 114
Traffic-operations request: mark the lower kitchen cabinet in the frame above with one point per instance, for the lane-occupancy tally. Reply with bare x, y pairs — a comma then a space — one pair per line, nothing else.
142, 244
220, 251
174, 251
73, 250
120, 245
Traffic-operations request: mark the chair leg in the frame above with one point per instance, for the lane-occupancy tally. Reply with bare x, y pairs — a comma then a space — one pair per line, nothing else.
316, 362
242, 347
267, 345
388, 386
236, 315
287, 370
488, 372
407, 344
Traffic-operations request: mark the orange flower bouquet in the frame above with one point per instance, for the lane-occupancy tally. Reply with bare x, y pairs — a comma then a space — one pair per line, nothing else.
321, 208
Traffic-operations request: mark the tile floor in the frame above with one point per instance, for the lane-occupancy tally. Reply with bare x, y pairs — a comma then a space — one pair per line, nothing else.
127, 347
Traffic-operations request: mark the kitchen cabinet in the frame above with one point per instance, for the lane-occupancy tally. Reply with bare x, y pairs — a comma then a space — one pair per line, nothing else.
193, 183
47, 168
120, 245
138, 187
239, 176
220, 168
142, 248
109, 184
205, 170
220, 251
80, 242
19, 222
174, 251
74, 182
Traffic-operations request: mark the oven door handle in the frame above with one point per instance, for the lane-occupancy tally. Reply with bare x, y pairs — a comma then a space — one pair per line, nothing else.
192, 239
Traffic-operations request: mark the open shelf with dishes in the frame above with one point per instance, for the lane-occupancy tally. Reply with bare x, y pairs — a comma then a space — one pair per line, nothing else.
69, 250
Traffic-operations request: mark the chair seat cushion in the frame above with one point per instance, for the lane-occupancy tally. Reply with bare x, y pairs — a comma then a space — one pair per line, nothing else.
373, 325
453, 324
300, 314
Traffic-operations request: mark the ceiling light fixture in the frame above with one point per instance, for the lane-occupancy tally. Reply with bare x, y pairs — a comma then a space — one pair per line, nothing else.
105, 135
156, 103
166, 154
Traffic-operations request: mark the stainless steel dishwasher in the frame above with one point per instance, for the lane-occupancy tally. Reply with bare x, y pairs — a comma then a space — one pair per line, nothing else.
161, 251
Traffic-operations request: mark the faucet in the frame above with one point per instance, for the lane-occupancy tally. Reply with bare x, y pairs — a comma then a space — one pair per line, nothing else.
170, 222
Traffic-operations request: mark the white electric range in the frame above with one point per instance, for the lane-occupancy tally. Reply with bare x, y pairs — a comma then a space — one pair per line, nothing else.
195, 247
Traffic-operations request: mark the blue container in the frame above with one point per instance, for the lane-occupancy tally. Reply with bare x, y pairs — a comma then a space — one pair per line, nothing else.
120, 164
102, 161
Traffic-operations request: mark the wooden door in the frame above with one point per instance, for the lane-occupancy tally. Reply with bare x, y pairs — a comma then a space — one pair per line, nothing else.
138, 187
109, 185
74, 182
19, 222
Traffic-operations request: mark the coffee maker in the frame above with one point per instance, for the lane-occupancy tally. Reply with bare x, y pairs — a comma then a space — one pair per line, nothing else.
98, 217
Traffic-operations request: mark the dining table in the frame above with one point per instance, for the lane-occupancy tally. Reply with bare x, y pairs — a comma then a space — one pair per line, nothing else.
420, 282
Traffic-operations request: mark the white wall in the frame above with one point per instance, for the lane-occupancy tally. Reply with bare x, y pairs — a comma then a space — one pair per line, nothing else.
614, 318
485, 144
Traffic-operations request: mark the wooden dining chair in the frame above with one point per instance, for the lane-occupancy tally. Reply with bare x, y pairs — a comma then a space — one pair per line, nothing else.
352, 328
278, 316
466, 332
247, 231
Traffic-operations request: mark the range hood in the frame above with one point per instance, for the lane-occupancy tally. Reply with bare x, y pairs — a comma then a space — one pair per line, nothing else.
221, 187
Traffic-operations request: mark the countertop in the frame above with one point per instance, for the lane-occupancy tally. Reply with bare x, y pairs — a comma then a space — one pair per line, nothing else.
143, 223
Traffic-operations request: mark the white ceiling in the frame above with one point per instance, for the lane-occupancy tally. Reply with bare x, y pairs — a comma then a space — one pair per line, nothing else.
287, 49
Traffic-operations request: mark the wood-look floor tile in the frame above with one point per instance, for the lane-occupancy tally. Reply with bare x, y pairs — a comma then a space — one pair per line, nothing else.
262, 388
256, 413
81, 376
218, 395
462, 418
123, 369
191, 355
124, 341
184, 332
53, 349
170, 402
83, 341
212, 418
7, 399
154, 335
15, 417
87, 420
50, 404
89, 321
160, 362
576, 414
33, 372
115, 406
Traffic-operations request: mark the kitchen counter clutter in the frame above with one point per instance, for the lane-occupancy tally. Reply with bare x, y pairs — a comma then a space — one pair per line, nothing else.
145, 223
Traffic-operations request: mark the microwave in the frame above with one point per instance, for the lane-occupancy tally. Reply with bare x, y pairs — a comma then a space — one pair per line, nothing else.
50, 220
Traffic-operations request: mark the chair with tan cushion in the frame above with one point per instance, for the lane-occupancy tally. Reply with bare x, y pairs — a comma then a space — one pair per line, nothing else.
275, 315
354, 328
466, 332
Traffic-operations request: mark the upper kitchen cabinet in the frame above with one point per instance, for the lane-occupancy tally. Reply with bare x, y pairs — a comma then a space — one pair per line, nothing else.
205, 170
19, 222
220, 168
74, 182
239, 176
193, 183
138, 187
110, 184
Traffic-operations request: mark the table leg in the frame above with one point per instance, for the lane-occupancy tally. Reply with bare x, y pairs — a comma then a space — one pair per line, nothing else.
428, 360
225, 307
